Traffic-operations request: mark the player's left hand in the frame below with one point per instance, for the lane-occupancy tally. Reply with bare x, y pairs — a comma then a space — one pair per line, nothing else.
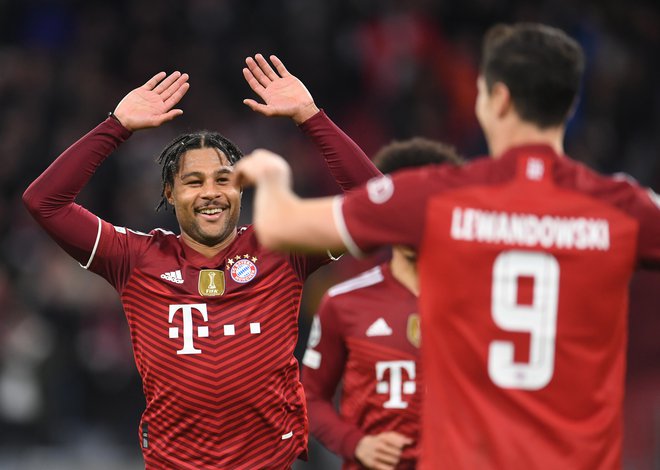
283, 93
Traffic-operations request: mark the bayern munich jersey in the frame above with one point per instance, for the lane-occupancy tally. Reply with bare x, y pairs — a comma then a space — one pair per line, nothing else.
366, 335
524, 266
213, 339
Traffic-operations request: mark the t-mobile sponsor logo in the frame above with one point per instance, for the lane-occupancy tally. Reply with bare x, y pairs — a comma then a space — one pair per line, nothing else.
396, 387
202, 331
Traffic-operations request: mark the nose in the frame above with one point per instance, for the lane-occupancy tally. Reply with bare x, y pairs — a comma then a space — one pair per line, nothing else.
210, 190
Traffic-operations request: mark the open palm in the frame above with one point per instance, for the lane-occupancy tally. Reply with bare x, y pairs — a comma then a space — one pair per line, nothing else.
283, 93
152, 104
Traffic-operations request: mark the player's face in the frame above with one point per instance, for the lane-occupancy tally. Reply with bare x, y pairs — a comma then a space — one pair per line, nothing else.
206, 199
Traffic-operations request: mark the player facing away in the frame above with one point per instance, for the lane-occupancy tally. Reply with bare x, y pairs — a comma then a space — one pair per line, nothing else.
366, 335
524, 262
212, 313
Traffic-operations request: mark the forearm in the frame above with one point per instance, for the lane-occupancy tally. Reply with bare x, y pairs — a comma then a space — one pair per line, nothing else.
337, 435
283, 221
61, 182
347, 163
50, 198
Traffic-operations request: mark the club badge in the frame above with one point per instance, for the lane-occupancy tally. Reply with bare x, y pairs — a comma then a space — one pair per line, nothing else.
211, 282
242, 269
413, 330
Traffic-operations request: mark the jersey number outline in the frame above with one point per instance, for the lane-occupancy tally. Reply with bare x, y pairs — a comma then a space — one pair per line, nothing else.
538, 319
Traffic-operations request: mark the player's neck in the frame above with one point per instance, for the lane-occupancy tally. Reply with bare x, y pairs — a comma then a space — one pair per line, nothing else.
516, 133
205, 250
405, 271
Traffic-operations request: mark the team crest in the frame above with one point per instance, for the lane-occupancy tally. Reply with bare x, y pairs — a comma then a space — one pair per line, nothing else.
243, 268
413, 331
211, 282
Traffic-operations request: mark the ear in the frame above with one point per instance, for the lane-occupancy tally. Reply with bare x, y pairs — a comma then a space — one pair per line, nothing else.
501, 99
168, 194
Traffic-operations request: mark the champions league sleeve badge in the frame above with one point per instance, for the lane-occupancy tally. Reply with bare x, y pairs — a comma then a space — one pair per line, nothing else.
242, 269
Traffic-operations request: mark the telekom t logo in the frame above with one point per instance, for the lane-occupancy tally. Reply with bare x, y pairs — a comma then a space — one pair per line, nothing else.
396, 387
202, 331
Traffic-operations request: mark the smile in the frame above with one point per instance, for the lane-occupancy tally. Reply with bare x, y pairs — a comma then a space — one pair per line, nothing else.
210, 211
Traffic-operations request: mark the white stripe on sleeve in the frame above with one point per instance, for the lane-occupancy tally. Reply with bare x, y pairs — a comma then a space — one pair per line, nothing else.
338, 215
96, 245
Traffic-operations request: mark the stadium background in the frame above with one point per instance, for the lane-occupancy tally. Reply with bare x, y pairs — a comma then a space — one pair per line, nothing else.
69, 392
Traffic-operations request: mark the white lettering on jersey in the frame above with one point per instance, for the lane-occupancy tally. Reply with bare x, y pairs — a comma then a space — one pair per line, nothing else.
396, 387
530, 230
202, 331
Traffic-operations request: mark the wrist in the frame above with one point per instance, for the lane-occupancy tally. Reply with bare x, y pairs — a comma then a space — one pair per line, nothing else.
305, 113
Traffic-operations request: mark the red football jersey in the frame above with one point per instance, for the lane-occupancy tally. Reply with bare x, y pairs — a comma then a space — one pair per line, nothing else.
524, 265
213, 341
366, 335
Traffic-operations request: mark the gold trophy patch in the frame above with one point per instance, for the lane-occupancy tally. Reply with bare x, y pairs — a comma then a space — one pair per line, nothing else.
211, 282
414, 332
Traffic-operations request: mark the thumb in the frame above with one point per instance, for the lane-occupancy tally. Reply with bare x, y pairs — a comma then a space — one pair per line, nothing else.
258, 107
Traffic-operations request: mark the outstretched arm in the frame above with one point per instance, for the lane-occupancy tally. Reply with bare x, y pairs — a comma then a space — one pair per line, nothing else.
286, 95
50, 198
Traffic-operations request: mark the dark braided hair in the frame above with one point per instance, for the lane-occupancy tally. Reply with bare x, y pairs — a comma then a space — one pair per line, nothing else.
170, 157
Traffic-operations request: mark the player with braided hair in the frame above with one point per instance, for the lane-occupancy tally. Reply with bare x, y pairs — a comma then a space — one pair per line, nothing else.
213, 315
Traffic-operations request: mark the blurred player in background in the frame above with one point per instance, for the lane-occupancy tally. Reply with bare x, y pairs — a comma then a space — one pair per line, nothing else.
524, 262
366, 335
213, 315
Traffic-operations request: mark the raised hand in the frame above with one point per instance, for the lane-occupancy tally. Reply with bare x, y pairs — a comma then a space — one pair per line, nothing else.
262, 166
381, 451
283, 93
152, 104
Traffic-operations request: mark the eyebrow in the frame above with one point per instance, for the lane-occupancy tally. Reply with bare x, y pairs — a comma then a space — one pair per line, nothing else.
199, 174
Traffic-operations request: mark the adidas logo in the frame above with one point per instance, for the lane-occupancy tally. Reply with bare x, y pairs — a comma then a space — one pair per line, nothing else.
173, 276
379, 328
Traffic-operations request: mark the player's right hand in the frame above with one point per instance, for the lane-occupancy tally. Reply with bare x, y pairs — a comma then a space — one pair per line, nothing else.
262, 166
152, 104
381, 451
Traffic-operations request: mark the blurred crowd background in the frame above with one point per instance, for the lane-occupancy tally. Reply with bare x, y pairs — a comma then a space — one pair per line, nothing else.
70, 396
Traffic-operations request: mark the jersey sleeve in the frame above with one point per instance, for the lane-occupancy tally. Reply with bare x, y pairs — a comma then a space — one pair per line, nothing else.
389, 210
347, 163
646, 209
51, 201
323, 367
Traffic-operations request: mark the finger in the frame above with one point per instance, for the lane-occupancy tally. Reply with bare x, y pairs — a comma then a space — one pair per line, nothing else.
168, 116
281, 69
265, 67
167, 81
174, 87
257, 72
153, 81
252, 81
387, 459
258, 107
177, 95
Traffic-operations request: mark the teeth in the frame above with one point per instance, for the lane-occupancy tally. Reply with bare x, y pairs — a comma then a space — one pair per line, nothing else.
210, 211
